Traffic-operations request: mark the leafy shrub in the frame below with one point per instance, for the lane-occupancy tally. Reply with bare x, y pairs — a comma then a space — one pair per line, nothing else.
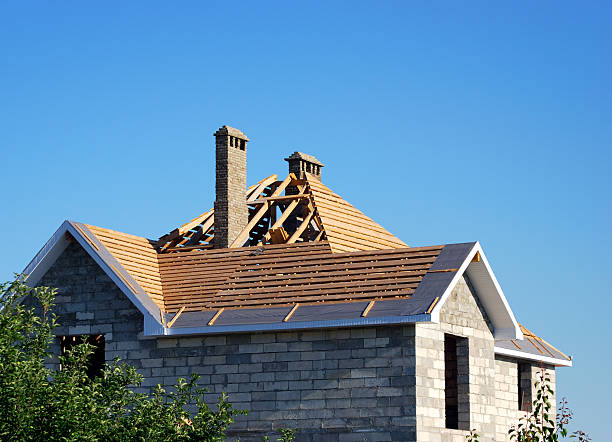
37, 403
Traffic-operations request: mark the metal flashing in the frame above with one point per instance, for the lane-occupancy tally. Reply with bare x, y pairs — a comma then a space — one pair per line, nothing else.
532, 357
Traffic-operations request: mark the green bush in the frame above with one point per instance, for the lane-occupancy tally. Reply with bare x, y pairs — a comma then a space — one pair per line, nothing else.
37, 403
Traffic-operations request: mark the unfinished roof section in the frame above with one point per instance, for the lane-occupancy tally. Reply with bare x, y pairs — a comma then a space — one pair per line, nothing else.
532, 347
136, 255
286, 212
284, 275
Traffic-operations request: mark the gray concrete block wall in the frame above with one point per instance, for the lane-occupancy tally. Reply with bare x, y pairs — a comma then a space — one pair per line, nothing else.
461, 316
506, 392
377, 383
338, 385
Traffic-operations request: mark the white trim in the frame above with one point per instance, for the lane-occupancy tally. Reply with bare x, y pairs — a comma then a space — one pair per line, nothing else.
490, 294
49, 253
532, 357
435, 313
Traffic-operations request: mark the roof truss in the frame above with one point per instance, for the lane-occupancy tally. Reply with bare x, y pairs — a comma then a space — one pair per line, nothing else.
280, 212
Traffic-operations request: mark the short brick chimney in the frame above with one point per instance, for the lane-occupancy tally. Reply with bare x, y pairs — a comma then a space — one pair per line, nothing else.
231, 211
299, 163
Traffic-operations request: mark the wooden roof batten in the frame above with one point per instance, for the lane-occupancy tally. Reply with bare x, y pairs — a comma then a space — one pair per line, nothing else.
292, 210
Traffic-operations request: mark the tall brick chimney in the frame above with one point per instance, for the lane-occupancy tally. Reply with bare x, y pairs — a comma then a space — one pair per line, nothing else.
231, 211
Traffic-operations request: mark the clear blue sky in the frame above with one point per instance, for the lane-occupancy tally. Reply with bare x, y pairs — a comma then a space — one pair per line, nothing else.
444, 121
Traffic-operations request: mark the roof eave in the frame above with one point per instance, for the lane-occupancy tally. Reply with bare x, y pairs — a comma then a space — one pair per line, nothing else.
489, 293
533, 357
153, 329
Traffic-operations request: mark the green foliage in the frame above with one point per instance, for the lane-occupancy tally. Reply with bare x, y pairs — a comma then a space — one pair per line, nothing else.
37, 403
539, 426
287, 434
472, 437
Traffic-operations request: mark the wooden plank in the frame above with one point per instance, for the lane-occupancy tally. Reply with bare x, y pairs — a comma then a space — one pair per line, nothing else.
281, 219
311, 263
298, 299
86, 236
291, 312
173, 320
279, 198
302, 248
367, 309
319, 236
275, 276
278, 235
244, 235
432, 305
344, 288
214, 318
123, 278
442, 270
296, 235
259, 187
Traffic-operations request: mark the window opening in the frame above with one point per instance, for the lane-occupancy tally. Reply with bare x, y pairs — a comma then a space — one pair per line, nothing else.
96, 360
524, 386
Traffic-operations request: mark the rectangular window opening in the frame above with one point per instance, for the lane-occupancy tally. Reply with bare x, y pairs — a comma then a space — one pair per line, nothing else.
456, 382
524, 386
97, 359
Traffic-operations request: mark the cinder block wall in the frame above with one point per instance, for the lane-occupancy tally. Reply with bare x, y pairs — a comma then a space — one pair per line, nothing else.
506, 393
461, 316
362, 384
333, 385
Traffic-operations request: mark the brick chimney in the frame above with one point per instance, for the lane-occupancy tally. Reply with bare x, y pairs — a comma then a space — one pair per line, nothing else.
231, 211
300, 162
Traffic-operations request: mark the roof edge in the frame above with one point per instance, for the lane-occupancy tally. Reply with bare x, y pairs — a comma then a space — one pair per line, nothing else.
152, 330
533, 357
56, 245
490, 294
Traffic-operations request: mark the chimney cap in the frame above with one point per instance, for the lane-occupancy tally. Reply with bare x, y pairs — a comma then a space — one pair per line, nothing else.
304, 157
226, 130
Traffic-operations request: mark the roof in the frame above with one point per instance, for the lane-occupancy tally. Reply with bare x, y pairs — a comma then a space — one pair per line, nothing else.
532, 347
283, 275
318, 213
337, 268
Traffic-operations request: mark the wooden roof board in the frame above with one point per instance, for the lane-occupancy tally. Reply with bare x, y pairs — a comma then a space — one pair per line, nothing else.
533, 346
306, 273
137, 255
346, 227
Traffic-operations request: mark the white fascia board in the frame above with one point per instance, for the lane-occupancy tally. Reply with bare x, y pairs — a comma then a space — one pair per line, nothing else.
152, 330
532, 357
49, 253
489, 293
